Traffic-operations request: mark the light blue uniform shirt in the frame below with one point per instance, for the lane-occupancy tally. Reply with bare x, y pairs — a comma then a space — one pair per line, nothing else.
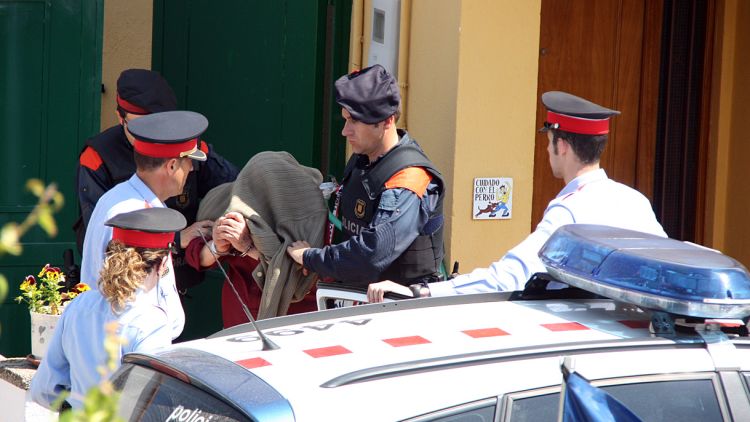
77, 347
130, 195
591, 198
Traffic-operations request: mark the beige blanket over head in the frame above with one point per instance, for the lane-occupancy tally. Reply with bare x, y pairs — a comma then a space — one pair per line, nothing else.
282, 202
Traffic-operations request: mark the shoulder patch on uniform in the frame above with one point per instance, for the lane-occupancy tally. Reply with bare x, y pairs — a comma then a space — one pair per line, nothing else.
415, 179
90, 159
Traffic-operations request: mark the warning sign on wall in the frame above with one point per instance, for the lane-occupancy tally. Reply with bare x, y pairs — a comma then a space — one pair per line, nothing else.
493, 198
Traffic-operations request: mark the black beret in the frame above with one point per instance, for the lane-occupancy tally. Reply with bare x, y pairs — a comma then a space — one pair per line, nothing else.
370, 95
141, 91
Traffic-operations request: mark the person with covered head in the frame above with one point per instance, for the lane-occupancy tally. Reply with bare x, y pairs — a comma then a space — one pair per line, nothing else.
165, 147
127, 295
277, 199
577, 132
107, 160
391, 194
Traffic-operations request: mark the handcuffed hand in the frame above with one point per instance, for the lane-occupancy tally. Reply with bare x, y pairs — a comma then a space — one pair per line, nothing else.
232, 228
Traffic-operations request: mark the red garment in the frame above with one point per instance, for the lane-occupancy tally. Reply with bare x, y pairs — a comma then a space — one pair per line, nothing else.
239, 270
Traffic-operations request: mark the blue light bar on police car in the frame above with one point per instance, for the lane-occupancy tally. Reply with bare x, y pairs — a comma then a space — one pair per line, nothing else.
649, 271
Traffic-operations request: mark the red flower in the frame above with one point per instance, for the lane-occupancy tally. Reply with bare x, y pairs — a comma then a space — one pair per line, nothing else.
30, 280
81, 287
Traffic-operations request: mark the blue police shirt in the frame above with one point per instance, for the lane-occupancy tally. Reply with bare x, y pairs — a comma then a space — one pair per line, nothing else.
591, 198
130, 195
77, 347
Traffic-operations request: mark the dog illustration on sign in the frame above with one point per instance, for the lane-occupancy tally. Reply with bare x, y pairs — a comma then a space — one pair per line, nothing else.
501, 205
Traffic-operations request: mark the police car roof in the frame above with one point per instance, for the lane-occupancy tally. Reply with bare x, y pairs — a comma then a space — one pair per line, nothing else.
405, 357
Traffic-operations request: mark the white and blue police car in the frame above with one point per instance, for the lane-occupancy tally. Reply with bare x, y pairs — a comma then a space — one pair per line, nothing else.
660, 325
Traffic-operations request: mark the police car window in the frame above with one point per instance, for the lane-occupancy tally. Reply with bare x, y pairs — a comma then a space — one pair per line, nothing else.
746, 375
480, 411
147, 395
683, 400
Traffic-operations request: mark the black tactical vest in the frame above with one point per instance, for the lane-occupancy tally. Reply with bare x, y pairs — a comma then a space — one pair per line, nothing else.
116, 154
361, 196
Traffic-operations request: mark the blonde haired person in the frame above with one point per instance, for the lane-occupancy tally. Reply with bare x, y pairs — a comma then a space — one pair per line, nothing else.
135, 262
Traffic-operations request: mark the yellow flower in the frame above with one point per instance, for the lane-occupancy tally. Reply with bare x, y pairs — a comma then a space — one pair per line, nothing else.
43, 295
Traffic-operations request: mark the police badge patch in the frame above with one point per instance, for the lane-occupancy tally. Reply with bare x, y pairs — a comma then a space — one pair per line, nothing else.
359, 208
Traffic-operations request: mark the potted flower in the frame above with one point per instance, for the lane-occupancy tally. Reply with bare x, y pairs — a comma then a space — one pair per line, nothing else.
45, 297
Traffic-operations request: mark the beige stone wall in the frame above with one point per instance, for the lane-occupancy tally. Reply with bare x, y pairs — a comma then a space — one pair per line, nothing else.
472, 105
433, 86
126, 44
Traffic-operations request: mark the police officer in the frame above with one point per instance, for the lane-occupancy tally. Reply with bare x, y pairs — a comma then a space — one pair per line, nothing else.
126, 295
391, 199
107, 159
577, 134
166, 145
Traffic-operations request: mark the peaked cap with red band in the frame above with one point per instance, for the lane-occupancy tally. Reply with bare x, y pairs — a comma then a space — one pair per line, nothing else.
152, 228
169, 134
141, 91
575, 115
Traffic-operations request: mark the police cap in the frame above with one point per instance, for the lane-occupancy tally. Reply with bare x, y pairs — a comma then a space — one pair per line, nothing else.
169, 134
141, 91
370, 95
147, 228
574, 114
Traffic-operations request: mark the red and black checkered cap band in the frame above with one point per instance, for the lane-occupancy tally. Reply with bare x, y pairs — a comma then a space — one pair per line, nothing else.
141, 239
578, 124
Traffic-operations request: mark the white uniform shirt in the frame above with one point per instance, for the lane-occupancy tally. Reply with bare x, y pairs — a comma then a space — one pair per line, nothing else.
591, 198
130, 195
77, 346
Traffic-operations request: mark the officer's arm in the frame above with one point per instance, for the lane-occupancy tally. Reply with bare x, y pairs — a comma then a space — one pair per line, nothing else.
512, 270
93, 182
362, 258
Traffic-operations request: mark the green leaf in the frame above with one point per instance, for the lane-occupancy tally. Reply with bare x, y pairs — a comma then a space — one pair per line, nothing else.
58, 201
36, 187
9, 239
3, 288
47, 222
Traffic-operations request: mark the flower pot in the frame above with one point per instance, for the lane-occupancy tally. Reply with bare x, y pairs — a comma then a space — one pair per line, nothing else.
42, 328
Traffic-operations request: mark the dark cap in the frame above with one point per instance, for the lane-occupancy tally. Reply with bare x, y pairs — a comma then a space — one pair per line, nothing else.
170, 134
147, 228
370, 95
141, 91
574, 114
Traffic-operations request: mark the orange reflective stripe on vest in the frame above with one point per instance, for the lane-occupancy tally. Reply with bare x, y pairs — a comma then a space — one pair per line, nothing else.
415, 179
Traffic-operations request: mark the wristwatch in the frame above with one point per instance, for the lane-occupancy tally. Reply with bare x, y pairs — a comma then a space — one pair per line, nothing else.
419, 290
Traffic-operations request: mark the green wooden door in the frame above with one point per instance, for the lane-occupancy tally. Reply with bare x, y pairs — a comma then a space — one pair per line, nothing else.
262, 72
256, 69
50, 67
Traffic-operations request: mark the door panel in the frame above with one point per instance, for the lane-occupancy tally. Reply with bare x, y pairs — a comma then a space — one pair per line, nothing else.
50, 53
254, 68
597, 49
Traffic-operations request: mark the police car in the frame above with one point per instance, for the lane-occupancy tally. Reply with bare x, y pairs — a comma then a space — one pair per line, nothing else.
659, 324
